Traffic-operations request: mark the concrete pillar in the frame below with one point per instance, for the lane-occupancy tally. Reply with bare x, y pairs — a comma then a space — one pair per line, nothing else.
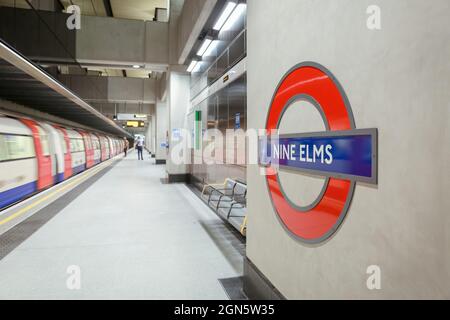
161, 129
401, 225
178, 97
153, 140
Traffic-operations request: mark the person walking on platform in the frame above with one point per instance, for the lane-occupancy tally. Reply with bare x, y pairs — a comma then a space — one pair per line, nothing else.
140, 147
125, 147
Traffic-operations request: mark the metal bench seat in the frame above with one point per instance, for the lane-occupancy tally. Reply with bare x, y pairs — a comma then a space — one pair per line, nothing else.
229, 200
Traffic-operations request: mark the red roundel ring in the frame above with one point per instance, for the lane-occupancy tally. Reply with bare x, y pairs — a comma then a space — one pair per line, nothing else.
319, 222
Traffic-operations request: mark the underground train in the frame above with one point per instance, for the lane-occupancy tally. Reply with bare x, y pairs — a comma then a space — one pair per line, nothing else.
35, 155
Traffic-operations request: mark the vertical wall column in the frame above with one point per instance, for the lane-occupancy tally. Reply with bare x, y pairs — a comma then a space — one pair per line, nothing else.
160, 122
153, 135
161, 132
149, 137
150, 134
178, 97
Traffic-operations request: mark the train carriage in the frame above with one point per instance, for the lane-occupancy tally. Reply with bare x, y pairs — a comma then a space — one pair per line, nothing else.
77, 150
35, 155
18, 165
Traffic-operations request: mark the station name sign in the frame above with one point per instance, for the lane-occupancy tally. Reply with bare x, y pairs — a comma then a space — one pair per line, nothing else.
341, 154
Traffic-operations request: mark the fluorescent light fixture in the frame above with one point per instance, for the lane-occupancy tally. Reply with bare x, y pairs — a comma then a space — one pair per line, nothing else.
136, 66
197, 67
224, 16
204, 47
192, 65
211, 48
235, 16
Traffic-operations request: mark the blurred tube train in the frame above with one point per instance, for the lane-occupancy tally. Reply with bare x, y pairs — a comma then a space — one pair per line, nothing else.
35, 155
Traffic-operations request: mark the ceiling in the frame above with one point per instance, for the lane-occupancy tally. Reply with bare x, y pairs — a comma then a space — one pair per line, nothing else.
15, 3
136, 9
124, 9
129, 9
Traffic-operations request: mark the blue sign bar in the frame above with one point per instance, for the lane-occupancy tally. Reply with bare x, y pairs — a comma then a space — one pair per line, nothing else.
341, 154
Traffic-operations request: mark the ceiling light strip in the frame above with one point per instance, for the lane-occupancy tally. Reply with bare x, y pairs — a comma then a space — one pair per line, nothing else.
225, 14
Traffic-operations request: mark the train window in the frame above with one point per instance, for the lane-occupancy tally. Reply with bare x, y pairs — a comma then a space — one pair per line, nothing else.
81, 145
3, 153
45, 145
18, 147
76, 145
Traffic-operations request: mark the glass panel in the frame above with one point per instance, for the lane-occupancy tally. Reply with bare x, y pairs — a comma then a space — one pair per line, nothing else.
222, 64
19, 147
45, 145
237, 49
80, 145
3, 154
212, 74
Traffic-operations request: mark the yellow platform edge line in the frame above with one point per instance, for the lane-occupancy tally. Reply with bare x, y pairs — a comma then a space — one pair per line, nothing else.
50, 195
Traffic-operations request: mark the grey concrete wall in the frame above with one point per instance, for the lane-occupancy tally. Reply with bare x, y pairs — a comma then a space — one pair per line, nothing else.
150, 135
112, 89
41, 38
131, 89
47, 5
110, 109
176, 7
397, 80
178, 102
121, 40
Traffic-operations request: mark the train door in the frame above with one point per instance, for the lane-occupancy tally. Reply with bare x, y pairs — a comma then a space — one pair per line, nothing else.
111, 147
107, 148
97, 148
41, 144
77, 150
88, 149
66, 151
104, 154
56, 151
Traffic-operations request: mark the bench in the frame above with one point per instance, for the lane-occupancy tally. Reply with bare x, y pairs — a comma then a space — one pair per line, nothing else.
228, 200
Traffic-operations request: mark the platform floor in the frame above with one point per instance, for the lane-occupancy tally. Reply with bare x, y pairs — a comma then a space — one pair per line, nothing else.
132, 237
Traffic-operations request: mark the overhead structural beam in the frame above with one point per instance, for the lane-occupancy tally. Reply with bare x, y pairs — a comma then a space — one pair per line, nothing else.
123, 43
193, 18
33, 71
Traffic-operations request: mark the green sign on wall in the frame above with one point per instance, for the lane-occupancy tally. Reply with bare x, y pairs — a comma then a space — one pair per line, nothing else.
198, 130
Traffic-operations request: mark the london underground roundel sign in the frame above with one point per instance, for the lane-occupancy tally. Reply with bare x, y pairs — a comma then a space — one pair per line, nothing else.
342, 154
